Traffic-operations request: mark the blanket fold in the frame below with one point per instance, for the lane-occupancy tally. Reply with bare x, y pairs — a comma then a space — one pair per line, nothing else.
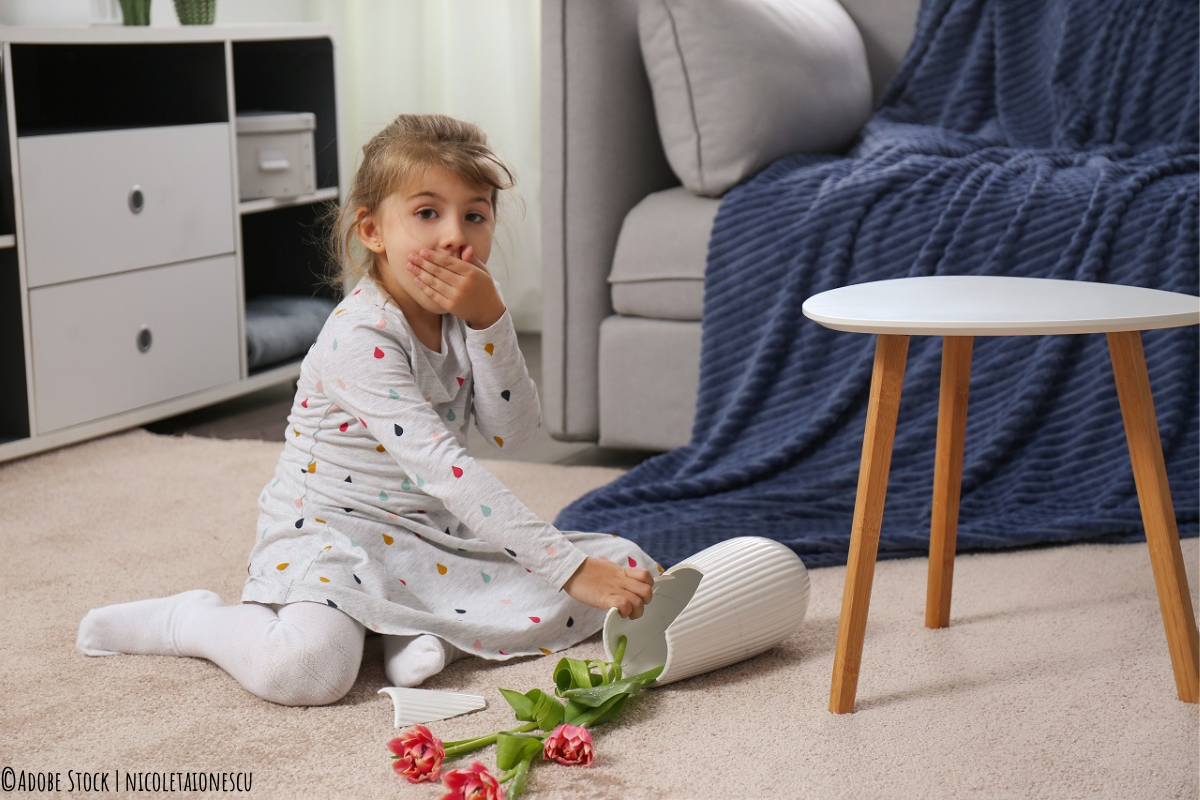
1044, 138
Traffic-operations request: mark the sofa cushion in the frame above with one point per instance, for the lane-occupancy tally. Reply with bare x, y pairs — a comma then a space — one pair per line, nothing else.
658, 267
739, 83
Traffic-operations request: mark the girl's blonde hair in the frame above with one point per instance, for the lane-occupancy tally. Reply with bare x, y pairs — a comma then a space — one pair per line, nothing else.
409, 146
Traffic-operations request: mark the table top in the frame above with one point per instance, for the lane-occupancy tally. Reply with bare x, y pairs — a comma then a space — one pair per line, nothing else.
985, 305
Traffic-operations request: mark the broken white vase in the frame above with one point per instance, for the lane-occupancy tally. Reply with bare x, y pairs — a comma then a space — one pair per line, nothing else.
727, 603
429, 705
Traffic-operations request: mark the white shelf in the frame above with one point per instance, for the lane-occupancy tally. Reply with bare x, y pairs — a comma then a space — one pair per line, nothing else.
272, 203
269, 66
165, 34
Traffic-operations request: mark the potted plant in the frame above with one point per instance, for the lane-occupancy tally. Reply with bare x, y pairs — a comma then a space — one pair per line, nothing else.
135, 12
196, 12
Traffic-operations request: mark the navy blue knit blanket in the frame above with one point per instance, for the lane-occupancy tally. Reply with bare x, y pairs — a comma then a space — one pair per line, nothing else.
1051, 138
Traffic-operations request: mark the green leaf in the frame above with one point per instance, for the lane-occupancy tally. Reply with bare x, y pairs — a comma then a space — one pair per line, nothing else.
573, 673
464, 746
522, 706
535, 706
649, 676
586, 716
520, 776
548, 711
599, 704
597, 695
610, 710
513, 748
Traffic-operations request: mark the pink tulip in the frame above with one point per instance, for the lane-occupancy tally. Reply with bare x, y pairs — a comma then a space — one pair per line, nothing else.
418, 754
473, 783
569, 745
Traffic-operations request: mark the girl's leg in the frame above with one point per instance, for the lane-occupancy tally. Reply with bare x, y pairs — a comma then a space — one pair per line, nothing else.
299, 654
411, 660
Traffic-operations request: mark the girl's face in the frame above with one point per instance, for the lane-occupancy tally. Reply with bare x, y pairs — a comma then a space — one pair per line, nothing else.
436, 210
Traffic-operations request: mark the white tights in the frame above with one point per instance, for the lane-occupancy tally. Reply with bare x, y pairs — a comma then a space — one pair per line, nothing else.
299, 654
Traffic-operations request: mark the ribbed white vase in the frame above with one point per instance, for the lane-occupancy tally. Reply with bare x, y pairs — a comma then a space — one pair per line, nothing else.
727, 603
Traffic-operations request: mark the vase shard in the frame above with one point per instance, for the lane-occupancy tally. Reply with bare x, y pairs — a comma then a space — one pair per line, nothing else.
427, 705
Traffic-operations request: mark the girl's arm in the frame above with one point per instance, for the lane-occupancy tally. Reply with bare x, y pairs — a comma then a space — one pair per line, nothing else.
505, 402
369, 376
506, 406
601, 583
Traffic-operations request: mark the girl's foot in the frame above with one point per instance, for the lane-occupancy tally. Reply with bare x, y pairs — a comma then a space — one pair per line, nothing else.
411, 660
143, 627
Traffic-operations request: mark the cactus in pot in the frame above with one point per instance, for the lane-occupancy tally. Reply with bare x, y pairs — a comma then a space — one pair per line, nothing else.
135, 12
196, 12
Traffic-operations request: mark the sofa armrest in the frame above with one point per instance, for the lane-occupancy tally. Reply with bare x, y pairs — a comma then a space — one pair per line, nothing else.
601, 154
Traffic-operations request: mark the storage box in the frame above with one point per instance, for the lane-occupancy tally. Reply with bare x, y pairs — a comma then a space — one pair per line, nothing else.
275, 154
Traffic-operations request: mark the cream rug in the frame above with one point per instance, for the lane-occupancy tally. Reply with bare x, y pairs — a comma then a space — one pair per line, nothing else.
1053, 681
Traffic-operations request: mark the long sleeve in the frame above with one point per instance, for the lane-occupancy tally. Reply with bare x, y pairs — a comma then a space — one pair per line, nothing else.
366, 372
506, 406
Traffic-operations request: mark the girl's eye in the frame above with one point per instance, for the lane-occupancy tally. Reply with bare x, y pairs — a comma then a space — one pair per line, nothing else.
427, 213
475, 216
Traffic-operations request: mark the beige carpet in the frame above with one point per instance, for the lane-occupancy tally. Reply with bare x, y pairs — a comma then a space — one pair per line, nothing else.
1054, 680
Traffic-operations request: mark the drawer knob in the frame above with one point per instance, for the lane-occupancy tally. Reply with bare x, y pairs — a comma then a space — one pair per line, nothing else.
137, 200
144, 339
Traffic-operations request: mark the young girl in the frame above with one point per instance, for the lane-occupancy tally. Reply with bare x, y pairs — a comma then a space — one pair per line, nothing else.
377, 519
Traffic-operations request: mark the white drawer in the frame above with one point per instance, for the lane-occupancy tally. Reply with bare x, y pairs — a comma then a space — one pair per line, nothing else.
111, 201
90, 354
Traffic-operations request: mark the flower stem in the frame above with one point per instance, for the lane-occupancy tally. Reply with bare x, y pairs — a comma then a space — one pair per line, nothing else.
464, 746
620, 656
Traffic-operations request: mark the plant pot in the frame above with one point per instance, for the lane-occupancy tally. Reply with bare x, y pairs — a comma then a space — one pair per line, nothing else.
727, 603
135, 12
196, 12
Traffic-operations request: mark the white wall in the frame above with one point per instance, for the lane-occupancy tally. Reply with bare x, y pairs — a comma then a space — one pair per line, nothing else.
475, 59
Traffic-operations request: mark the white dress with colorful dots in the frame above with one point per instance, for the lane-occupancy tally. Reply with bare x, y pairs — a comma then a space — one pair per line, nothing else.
376, 508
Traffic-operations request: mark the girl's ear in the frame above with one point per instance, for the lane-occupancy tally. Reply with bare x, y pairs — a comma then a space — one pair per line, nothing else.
369, 231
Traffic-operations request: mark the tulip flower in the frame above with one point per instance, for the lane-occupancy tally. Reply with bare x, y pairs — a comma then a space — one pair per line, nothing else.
472, 783
417, 754
587, 693
569, 744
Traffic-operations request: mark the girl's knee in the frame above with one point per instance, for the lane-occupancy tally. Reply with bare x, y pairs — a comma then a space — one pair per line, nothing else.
312, 679
306, 693
310, 664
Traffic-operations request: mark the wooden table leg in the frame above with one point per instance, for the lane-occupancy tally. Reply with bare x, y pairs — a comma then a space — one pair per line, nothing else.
947, 477
1158, 512
891, 353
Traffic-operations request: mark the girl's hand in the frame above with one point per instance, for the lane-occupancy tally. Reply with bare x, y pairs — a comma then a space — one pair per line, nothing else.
602, 584
461, 286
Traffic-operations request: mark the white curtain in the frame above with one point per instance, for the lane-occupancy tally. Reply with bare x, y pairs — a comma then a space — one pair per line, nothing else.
474, 59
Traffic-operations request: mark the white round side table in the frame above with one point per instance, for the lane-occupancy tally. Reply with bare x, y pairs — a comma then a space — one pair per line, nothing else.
960, 308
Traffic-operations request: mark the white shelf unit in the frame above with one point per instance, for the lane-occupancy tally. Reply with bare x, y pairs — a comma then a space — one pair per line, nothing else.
126, 257
270, 203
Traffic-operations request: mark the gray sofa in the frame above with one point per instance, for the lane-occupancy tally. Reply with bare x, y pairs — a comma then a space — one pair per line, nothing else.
624, 244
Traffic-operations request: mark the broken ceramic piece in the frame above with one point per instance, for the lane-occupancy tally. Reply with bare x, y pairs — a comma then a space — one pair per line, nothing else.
427, 705
727, 603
